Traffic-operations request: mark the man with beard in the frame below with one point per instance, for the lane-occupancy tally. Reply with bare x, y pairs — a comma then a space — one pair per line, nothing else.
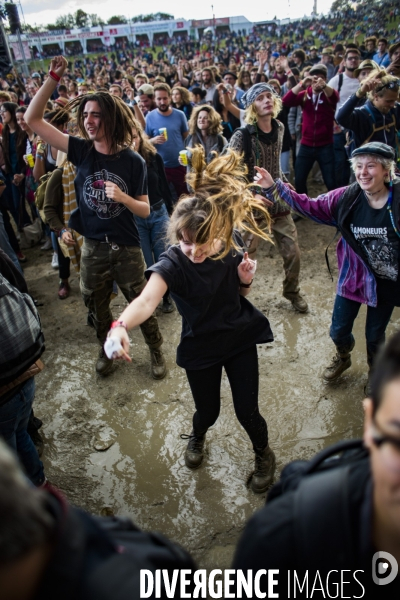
207, 77
174, 125
346, 84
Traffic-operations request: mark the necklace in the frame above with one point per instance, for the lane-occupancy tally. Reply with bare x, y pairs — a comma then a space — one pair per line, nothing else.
373, 193
371, 197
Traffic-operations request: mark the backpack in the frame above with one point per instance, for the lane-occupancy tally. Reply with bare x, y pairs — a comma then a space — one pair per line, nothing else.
340, 82
22, 340
321, 488
246, 144
350, 141
41, 192
137, 550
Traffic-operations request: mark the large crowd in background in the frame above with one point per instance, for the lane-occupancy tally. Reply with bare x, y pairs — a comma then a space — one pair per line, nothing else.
210, 145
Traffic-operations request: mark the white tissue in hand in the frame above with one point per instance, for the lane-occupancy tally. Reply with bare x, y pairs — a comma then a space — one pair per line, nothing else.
113, 348
253, 266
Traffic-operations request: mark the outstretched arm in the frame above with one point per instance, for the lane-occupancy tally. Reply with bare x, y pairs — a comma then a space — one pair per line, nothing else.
34, 114
139, 310
321, 209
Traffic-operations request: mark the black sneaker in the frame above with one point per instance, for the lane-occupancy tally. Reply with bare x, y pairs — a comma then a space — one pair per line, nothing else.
167, 305
194, 450
104, 364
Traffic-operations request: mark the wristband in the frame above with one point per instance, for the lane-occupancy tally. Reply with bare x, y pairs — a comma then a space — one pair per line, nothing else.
54, 76
246, 285
62, 231
119, 324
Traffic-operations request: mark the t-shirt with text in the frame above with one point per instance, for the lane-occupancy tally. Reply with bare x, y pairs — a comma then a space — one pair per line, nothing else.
374, 233
98, 216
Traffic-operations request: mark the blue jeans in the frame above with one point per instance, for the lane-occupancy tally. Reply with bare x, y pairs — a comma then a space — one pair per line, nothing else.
152, 233
342, 165
344, 314
16, 202
305, 159
6, 246
14, 417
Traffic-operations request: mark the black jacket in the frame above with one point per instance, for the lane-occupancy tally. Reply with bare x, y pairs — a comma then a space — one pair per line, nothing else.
368, 124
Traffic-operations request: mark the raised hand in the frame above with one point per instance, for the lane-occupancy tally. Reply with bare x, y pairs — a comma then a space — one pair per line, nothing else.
246, 269
263, 178
58, 64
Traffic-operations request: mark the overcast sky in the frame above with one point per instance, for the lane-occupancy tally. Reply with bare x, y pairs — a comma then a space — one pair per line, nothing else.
43, 11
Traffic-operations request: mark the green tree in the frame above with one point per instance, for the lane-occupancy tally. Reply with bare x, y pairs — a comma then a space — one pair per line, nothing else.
117, 20
81, 18
340, 5
63, 22
163, 17
96, 20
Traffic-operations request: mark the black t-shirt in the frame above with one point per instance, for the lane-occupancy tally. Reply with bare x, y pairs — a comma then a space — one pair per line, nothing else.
97, 216
374, 233
217, 322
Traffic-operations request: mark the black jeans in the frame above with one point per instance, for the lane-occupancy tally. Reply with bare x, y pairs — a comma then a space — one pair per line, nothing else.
242, 372
306, 157
63, 264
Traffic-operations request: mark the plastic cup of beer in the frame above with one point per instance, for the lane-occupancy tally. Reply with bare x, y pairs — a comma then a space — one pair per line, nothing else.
184, 157
30, 160
163, 131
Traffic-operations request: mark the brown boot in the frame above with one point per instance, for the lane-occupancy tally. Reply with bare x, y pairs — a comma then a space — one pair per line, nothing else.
264, 470
158, 366
340, 363
298, 302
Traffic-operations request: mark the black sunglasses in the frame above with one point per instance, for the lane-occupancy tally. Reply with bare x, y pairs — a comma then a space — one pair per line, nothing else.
392, 85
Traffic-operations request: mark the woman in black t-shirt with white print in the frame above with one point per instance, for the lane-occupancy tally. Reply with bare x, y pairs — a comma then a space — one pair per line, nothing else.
208, 277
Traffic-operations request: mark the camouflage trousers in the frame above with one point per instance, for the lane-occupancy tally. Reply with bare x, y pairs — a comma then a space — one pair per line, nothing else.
284, 231
100, 266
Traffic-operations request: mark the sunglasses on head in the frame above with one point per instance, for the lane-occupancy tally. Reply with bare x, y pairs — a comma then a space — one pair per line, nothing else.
392, 85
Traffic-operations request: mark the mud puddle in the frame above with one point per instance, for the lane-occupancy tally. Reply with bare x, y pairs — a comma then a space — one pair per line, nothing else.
113, 445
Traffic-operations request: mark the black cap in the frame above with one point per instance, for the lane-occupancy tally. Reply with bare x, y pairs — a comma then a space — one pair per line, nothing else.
377, 148
230, 73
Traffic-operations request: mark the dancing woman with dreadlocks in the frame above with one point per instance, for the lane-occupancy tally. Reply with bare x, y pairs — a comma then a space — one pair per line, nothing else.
209, 276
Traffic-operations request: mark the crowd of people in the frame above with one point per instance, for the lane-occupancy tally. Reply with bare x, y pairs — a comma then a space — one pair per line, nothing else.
160, 175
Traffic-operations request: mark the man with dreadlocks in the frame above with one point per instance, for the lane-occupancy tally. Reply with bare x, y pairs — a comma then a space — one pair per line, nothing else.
261, 144
111, 187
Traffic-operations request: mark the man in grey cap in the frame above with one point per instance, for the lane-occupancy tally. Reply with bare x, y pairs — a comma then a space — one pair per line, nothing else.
367, 214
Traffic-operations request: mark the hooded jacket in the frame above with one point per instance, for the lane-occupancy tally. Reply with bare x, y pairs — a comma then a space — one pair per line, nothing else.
318, 115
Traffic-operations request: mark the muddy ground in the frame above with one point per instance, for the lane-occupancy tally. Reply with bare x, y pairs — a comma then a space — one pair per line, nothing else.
113, 445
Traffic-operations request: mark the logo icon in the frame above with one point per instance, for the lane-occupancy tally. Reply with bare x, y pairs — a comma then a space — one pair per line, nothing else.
384, 568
